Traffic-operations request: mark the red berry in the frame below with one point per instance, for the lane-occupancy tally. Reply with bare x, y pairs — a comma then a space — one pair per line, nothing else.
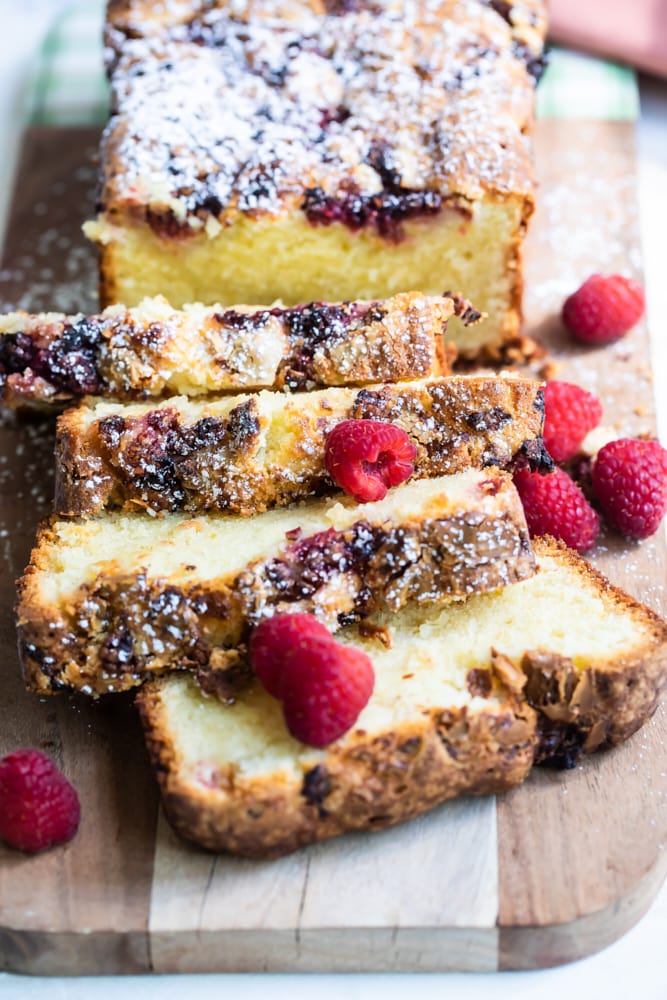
325, 687
366, 457
604, 308
38, 805
274, 639
569, 414
554, 505
630, 482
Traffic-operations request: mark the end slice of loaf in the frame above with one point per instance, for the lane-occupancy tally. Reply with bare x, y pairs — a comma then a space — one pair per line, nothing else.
154, 351
246, 454
107, 601
309, 148
467, 697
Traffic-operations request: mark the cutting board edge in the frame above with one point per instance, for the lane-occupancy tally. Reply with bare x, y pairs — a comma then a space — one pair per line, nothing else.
327, 950
71, 953
330, 950
324, 950
545, 946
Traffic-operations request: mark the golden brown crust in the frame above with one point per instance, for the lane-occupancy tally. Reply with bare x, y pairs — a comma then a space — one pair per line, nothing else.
218, 456
544, 709
362, 784
601, 705
124, 625
595, 709
154, 351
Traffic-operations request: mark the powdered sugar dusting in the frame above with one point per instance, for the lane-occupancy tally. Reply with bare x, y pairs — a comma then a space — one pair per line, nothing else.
218, 115
55, 270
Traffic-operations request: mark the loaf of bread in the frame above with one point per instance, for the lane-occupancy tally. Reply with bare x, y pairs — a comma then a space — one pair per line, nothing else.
107, 601
154, 350
467, 696
317, 149
246, 454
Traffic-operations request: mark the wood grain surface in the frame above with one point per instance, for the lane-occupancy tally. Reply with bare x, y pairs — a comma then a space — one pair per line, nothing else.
550, 872
598, 830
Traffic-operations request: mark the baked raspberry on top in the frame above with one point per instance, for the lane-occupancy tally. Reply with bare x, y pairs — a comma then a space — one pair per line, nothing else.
603, 308
38, 806
630, 481
323, 685
366, 457
570, 413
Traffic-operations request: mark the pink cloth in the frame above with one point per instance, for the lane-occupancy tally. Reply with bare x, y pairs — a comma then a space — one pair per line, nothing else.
633, 31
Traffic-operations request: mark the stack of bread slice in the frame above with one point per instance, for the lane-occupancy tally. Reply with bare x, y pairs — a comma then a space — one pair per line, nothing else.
468, 696
183, 521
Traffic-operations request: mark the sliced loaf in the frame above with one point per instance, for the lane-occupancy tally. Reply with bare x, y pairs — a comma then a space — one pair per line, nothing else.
466, 698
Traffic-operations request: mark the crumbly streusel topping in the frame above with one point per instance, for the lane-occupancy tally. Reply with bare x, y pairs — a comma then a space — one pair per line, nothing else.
367, 112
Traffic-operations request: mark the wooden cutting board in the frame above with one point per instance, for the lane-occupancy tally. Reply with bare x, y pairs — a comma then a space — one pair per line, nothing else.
548, 873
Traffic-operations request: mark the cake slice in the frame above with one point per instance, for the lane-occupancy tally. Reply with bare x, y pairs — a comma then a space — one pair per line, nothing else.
306, 149
245, 454
154, 350
467, 696
107, 601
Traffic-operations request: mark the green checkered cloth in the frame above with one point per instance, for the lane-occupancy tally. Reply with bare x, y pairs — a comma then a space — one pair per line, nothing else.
579, 86
69, 86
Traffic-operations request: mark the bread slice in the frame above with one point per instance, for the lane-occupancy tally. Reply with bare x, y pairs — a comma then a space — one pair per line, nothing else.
246, 454
466, 698
107, 601
155, 351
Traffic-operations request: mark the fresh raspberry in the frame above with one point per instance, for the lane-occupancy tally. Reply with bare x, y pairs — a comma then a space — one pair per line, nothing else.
325, 686
554, 505
569, 414
630, 483
366, 457
274, 638
38, 805
604, 308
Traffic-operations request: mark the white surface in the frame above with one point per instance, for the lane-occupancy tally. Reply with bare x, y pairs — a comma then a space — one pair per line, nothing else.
634, 966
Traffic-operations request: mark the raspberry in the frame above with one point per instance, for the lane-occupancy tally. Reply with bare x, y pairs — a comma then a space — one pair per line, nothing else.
325, 687
322, 684
274, 638
604, 308
38, 805
630, 483
554, 505
570, 413
366, 457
